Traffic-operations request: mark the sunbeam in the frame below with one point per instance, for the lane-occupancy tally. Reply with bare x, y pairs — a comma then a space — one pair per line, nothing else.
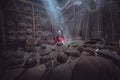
56, 17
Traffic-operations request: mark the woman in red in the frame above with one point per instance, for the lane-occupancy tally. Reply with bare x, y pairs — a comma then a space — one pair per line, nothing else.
59, 38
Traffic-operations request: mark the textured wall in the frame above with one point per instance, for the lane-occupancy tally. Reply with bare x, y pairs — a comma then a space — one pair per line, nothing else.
19, 24
24, 21
2, 31
103, 22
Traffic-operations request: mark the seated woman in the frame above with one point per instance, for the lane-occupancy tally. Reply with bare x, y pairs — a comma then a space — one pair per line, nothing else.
59, 38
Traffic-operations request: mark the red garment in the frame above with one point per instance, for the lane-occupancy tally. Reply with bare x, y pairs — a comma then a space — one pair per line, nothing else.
59, 39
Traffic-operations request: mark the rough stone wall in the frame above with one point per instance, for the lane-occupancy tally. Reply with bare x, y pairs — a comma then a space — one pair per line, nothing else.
20, 24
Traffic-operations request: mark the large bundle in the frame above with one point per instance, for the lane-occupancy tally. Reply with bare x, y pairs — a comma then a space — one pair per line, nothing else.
30, 44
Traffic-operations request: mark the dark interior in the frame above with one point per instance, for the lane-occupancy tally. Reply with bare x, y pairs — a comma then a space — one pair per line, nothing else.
30, 48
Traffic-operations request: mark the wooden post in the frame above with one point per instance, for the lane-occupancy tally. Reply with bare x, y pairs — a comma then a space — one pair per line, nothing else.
98, 24
79, 29
112, 23
33, 14
87, 26
74, 10
119, 43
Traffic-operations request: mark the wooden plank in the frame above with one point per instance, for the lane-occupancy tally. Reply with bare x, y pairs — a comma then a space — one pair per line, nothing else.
18, 11
87, 26
33, 14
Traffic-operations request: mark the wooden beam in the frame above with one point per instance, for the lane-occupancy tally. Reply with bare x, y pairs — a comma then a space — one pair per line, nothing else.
17, 11
74, 10
33, 14
87, 26
112, 23
98, 24
35, 4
